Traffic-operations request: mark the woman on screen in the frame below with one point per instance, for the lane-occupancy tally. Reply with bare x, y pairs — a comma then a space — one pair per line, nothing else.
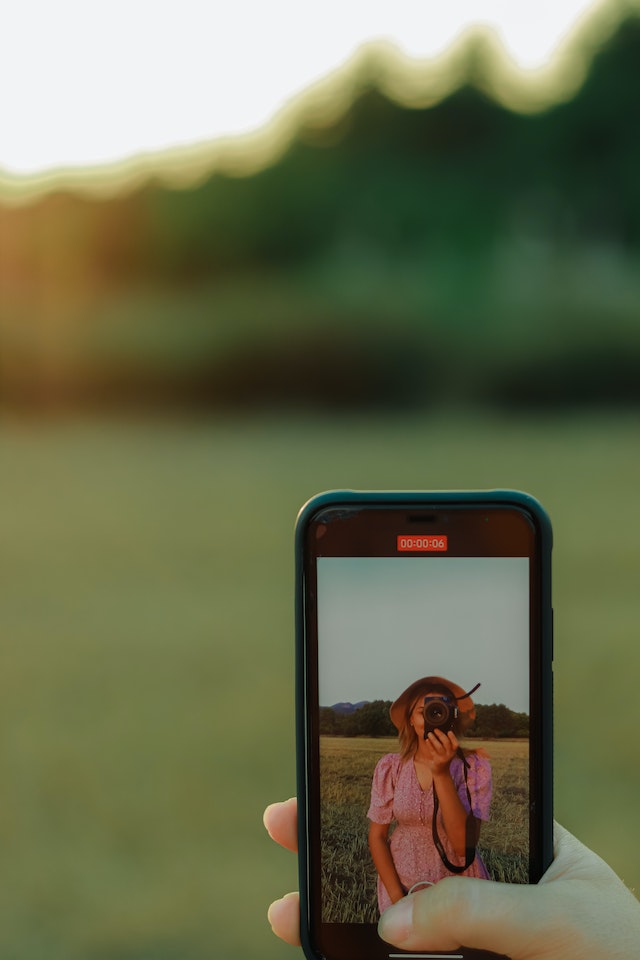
434, 791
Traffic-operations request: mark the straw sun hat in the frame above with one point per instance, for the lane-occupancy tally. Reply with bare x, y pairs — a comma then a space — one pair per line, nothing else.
399, 708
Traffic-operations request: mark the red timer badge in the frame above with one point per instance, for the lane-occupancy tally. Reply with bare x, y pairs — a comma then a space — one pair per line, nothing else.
422, 544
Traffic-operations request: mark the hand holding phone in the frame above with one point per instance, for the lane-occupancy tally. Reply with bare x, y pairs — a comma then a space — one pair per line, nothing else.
408, 604
580, 908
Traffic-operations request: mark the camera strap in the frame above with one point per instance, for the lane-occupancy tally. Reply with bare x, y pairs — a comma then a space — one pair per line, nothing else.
471, 827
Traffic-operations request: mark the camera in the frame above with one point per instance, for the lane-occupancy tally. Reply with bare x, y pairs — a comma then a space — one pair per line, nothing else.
440, 713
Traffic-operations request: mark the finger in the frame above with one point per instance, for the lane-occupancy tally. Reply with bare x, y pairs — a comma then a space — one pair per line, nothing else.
281, 821
284, 917
519, 921
568, 854
441, 746
439, 735
572, 859
431, 753
447, 741
481, 914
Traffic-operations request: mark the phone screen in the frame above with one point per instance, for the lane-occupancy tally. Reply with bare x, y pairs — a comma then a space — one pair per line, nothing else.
426, 708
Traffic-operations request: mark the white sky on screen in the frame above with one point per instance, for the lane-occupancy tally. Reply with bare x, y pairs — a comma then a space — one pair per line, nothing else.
384, 622
86, 84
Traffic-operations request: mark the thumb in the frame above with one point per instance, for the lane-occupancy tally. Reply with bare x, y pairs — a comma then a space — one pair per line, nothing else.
498, 917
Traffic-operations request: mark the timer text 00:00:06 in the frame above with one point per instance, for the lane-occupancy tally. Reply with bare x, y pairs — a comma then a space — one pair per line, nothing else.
422, 543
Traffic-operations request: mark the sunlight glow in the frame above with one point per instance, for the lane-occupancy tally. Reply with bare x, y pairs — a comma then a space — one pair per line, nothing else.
97, 87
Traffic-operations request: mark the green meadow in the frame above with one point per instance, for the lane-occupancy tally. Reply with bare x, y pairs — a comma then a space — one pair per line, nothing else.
147, 655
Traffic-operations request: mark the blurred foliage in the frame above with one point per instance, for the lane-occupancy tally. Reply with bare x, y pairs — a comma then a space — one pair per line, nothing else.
369, 720
459, 253
372, 720
496, 720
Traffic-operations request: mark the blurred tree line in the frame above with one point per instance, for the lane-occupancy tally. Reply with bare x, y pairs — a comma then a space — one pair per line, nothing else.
461, 252
493, 721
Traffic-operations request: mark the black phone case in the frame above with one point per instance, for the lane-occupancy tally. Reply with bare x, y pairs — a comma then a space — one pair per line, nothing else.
421, 499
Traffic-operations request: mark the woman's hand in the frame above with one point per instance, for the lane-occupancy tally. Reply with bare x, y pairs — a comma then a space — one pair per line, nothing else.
281, 821
383, 861
579, 909
439, 750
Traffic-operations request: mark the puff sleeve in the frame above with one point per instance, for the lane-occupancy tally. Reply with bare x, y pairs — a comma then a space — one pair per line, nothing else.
479, 779
383, 789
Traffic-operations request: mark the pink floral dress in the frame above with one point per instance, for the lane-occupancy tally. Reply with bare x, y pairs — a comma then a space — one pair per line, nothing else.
396, 795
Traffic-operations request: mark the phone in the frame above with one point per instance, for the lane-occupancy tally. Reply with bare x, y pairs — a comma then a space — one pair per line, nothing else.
424, 703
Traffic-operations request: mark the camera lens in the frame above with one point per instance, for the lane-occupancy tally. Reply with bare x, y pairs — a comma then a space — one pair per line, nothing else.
436, 713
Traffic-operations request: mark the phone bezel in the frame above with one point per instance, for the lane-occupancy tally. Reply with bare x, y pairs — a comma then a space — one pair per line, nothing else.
362, 939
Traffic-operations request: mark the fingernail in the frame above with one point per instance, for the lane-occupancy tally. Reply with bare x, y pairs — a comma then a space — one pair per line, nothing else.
396, 923
266, 815
276, 906
273, 908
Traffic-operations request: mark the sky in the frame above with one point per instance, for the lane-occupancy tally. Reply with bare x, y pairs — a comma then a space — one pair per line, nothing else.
384, 622
92, 84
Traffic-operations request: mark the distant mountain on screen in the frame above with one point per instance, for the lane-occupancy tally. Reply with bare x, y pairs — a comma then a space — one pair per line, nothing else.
347, 708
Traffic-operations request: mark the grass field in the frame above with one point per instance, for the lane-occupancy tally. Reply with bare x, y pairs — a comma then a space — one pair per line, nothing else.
146, 681
346, 769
